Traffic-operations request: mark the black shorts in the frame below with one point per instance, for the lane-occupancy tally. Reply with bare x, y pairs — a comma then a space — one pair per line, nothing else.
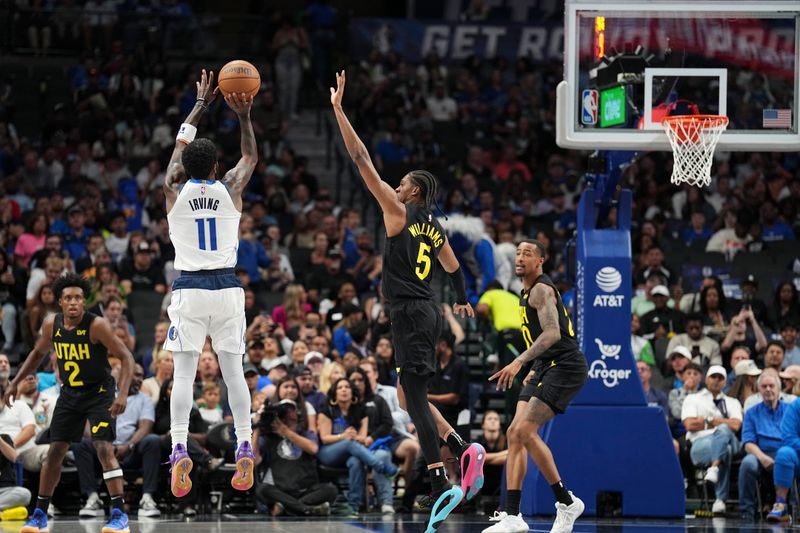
416, 327
557, 382
74, 408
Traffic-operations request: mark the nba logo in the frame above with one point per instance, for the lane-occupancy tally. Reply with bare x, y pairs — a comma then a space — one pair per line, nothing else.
589, 107
203, 189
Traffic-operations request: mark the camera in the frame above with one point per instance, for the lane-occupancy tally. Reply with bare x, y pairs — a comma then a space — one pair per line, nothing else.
272, 413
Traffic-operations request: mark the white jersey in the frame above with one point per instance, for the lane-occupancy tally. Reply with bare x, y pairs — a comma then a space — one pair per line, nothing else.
204, 227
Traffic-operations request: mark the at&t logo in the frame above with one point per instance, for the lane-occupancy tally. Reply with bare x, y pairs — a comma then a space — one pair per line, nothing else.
608, 279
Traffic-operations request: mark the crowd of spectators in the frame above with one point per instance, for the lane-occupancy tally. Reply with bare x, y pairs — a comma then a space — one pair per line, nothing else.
84, 194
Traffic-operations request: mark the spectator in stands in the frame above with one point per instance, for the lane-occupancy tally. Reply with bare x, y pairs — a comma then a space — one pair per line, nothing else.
32, 240
251, 254
785, 307
691, 379
774, 355
732, 238
208, 372
494, 442
315, 361
294, 308
344, 305
289, 449
14, 499
163, 368
653, 397
448, 390
211, 411
744, 331
320, 283
290, 49
787, 462
298, 353
790, 377
761, 438
772, 228
662, 321
5, 370
145, 274
18, 423
697, 230
711, 419
744, 385
441, 106
714, 310
287, 388
113, 313
74, 232
53, 267
135, 446
788, 333
787, 397
343, 428
151, 349
654, 264
379, 429
11, 295
642, 303
703, 349
117, 240
750, 299
305, 381
641, 347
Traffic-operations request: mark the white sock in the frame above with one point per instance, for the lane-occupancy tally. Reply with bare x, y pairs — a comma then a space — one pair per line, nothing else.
238, 394
182, 399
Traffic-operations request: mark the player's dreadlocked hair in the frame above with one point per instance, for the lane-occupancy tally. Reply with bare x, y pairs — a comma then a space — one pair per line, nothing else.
199, 158
429, 185
71, 280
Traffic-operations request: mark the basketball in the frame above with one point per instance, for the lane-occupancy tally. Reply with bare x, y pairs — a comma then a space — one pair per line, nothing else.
239, 76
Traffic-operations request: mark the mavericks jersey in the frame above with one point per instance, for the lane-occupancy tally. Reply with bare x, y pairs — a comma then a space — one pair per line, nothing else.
409, 257
567, 345
204, 227
82, 364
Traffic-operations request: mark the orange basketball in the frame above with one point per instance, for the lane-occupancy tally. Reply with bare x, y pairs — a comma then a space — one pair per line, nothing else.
239, 77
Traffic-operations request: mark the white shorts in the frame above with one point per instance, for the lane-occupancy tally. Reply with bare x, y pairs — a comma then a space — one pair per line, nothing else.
197, 313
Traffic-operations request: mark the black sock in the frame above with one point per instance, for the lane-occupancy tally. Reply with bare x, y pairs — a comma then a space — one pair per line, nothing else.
456, 444
561, 493
118, 502
43, 502
438, 478
512, 501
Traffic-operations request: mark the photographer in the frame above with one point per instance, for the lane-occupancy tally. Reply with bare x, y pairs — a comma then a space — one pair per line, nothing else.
743, 331
290, 450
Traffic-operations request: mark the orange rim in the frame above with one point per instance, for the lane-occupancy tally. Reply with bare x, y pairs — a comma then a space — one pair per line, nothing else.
704, 121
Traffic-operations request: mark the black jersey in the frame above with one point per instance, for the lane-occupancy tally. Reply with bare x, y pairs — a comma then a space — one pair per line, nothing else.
82, 364
567, 345
409, 258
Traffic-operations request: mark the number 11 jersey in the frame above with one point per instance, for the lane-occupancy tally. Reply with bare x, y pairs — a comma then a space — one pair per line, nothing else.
204, 227
409, 258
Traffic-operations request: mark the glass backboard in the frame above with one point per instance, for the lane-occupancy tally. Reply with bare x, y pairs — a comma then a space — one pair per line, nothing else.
629, 65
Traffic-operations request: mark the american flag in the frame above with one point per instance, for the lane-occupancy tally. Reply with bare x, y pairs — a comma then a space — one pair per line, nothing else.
777, 118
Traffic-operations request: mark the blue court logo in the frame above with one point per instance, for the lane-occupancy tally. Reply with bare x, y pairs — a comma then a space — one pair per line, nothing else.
173, 333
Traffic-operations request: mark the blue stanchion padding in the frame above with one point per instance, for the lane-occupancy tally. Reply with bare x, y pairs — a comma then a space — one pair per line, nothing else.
610, 449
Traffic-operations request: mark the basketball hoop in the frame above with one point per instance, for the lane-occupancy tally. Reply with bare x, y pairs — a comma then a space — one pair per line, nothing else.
693, 139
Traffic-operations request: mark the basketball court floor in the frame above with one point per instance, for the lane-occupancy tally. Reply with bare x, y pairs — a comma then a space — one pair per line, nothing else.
393, 524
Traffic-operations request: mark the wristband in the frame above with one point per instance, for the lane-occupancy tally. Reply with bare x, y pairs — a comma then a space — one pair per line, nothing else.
460, 286
186, 133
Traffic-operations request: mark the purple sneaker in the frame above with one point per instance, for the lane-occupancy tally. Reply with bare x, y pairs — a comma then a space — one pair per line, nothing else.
245, 463
180, 466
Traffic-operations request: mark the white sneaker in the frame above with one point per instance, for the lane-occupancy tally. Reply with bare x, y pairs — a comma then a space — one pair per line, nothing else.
148, 507
712, 474
93, 508
387, 509
497, 516
567, 514
508, 524
718, 507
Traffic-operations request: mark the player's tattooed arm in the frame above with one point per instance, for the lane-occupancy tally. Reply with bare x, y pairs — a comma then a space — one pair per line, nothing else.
238, 177
543, 299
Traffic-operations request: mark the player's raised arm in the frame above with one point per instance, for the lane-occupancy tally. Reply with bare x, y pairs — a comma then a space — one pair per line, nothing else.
238, 177
176, 174
40, 350
101, 332
393, 209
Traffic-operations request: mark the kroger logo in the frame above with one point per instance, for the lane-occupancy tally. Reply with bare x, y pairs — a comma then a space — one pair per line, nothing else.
610, 376
608, 279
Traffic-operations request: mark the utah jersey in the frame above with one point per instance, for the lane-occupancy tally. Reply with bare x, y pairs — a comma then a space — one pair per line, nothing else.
204, 227
409, 257
82, 364
567, 345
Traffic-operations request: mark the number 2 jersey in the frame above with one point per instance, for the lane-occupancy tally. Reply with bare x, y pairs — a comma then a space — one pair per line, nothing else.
82, 364
567, 345
409, 257
204, 227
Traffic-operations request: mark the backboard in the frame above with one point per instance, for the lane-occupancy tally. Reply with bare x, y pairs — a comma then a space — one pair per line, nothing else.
628, 65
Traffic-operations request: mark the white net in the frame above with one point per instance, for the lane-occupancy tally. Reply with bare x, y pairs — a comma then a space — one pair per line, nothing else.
693, 139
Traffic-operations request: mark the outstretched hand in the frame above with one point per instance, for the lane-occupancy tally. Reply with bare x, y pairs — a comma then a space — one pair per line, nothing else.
205, 87
240, 103
505, 377
336, 94
465, 309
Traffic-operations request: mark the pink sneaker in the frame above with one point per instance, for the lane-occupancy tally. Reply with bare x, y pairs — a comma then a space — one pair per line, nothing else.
180, 466
472, 470
245, 463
